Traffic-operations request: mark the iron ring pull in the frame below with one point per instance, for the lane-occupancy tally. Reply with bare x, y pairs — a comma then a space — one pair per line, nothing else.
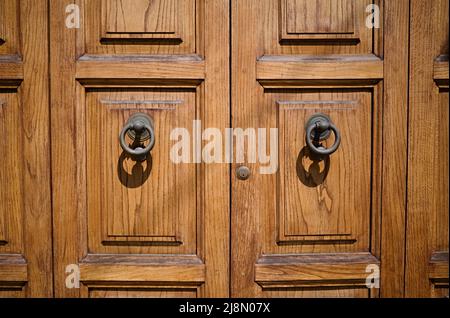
139, 128
319, 128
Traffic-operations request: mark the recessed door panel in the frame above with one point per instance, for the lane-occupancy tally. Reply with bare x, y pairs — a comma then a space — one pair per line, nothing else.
326, 218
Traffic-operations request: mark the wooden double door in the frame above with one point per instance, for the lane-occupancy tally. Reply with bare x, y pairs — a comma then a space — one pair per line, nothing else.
252, 211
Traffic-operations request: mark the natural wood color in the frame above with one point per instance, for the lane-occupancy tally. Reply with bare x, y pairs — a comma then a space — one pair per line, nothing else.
9, 27
25, 199
190, 68
133, 292
13, 269
140, 16
306, 270
320, 16
440, 71
428, 184
272, 68
139, 26
11, 68
122, 268
307, 68
312, 206
322, 21
394, 168
438, 267
180, 209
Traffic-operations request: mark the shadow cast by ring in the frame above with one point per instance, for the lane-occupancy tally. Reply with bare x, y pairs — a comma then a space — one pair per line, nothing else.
138, 175
312, 176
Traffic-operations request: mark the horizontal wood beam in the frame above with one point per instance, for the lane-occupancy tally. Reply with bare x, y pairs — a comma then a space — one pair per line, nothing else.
129, 69
183, 269
438, 267
346, 269
13, 269
440, 71
11, 71
303, 70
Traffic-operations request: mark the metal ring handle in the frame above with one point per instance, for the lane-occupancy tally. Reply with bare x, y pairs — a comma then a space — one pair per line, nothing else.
322, 123
139, 124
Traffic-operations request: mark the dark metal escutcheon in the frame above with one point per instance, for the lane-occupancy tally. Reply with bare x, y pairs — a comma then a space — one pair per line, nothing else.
139, 128
243, 173
319, 128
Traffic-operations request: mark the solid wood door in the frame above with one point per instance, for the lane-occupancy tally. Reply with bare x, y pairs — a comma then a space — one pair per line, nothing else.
427, 228
319, 227
130, 228
25, 201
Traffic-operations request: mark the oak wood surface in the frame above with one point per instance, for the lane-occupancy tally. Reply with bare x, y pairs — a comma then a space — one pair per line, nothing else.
25, 199
428, 184
168, 62
280, 66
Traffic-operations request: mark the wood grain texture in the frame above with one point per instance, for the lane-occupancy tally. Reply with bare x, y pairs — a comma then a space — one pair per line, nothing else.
11, 68
24, 123
307, 270
190, 68
312, 206
178, 210
293, 71
394, 169
146, 269
9, 27
139, 203
308, 68
428, 202
440, 71
320, 16
323, 21
142, 293
141, 16
13, 269
136, 26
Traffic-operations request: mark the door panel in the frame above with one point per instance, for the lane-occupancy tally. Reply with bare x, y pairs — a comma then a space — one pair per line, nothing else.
314, 227
427, 245
25, 212
139, 229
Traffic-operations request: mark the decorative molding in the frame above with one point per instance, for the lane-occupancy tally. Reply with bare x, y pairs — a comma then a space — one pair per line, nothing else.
288, 214
117, 29
280, 71
148, 71
440, 71
143, 270
294, 26
438, 268
166, 105
13, 270
313, 270
11, 71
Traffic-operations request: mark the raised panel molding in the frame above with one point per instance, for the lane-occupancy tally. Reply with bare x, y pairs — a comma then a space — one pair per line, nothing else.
313, 270
9, 26
13, 271
11, 71
440, 71
147, 21
162, 209
321, 20
148, 71
438, 268
145, 270
312, 208
278, 71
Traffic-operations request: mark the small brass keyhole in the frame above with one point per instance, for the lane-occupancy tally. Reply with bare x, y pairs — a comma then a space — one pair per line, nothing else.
243, 173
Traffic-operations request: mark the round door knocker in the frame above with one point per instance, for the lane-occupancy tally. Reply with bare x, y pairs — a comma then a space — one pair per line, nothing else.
318, 129
139, 129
